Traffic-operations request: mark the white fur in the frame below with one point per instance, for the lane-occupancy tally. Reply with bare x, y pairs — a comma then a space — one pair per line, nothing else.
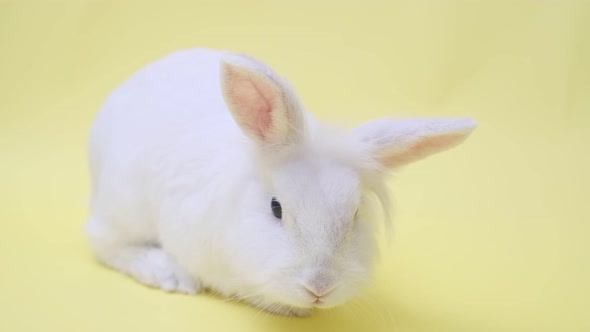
185, 157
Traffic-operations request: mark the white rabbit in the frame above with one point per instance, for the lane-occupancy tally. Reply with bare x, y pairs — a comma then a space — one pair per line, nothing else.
208, 173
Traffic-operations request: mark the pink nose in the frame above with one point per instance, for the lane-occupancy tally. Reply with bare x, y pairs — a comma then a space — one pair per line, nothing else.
318, 292
313, 292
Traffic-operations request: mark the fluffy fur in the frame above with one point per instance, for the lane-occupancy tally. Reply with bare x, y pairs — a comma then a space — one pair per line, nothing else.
186, 156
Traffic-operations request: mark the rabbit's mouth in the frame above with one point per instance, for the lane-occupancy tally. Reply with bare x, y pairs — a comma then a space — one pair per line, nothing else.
321, 304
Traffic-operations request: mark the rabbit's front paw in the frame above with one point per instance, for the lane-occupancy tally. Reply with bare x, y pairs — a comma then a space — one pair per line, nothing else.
152, 267
158, 270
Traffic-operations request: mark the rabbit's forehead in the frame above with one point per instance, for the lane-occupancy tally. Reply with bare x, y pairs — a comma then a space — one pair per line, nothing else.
323, 185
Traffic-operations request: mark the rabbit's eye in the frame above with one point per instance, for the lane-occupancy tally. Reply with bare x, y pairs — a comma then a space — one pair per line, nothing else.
276, 208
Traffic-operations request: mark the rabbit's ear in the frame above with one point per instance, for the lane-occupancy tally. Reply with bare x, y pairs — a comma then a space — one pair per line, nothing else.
395, 143
263, 108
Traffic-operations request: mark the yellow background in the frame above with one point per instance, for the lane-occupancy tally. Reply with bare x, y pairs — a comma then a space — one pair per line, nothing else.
491, 236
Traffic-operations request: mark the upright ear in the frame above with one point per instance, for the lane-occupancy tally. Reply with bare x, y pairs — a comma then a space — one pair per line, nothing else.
395, 143
263, 108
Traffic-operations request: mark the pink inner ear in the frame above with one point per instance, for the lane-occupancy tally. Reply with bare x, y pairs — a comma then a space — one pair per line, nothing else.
265, 107
253, 102
422, 148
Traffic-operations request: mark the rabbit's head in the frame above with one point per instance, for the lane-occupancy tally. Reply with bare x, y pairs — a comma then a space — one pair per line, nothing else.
319, 182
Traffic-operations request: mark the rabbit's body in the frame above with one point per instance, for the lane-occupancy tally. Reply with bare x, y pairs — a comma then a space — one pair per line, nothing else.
168, 135
182, 187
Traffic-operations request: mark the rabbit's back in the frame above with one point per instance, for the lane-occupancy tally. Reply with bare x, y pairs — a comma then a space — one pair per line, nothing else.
157, 135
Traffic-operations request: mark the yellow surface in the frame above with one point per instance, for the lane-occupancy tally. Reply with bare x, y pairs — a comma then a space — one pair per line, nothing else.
491, 236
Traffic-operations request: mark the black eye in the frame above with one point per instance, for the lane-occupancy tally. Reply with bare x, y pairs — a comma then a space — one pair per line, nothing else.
276, 208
